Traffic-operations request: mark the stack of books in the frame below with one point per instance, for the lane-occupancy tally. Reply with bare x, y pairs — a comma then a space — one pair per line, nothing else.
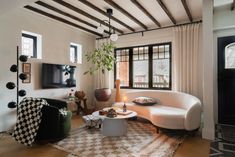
120, 112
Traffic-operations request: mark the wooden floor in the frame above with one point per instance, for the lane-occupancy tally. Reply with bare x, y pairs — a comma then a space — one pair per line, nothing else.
191, 147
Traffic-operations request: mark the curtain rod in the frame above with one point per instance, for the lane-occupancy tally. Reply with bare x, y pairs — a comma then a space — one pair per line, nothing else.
152, 29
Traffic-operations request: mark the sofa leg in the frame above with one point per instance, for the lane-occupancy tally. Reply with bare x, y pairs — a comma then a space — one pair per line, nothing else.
157, 129
194, 132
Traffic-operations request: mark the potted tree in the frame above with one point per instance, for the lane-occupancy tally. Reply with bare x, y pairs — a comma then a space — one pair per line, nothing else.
102, 59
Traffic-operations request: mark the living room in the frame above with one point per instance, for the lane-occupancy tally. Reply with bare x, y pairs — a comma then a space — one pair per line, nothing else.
64, 26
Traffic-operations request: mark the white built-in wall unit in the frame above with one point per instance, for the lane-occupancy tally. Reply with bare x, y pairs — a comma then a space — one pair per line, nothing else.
55, 40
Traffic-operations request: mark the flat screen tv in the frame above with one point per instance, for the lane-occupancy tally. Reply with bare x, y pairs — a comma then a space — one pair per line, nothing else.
58, 76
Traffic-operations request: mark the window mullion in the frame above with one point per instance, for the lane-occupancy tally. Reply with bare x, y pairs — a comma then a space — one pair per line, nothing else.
115, 66
75, 54
150, 54
170, 60
35, 47
131, 67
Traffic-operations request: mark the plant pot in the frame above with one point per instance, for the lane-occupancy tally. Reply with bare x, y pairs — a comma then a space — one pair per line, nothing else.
103, 94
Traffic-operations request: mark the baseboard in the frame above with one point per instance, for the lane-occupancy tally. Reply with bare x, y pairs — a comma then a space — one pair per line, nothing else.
208, 133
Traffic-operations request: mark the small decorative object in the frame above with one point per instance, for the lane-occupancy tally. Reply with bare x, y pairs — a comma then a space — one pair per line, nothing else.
23, 58
13, 68
26, 69
102, 112
102, 94
124, 105
22, 92
79, 94
111, 113
118, 97
92, 121
12, 104
23, 76
145, 101
10, 85
28, 79
71, 95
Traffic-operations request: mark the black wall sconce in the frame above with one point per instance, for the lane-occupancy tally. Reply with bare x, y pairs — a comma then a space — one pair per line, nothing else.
22, 76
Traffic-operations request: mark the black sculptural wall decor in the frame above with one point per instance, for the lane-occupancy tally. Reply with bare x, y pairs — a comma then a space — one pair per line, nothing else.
22, 76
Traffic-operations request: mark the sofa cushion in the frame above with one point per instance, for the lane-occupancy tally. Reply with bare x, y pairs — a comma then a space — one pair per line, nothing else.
166, 116
145, 101
160, 115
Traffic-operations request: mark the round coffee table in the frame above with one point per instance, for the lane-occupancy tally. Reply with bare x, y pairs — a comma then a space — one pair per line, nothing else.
116, 126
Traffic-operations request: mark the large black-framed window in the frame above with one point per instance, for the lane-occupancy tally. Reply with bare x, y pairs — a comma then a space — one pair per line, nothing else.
144, 67
29, 45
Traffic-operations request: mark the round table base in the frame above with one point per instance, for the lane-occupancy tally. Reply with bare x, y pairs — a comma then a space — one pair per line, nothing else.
114, 127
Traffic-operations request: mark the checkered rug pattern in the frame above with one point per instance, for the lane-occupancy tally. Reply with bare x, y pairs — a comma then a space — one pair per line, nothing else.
141, 140
28, 120
220, 147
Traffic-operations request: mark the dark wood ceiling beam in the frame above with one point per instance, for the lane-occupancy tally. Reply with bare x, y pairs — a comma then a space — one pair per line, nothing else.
163, 6
233, 5
61, 20
67, 5
115, 5
187, 10
146, 12
104, 13
66, 14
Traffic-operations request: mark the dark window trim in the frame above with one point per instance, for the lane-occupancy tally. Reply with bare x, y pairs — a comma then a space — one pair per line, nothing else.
75, 52
34, 43
150, 48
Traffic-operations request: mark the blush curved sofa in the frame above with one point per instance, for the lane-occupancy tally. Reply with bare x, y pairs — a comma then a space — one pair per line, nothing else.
174, 110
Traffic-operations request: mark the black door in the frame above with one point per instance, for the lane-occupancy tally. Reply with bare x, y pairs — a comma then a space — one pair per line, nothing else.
226, 80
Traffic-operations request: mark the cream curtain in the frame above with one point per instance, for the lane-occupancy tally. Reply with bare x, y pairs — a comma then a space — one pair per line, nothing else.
187, 59
101, 80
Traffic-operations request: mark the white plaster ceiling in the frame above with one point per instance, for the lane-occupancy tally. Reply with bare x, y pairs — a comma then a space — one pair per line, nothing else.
175, 7
8, 5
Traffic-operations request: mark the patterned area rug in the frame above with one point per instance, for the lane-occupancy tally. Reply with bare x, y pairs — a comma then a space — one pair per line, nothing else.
219, 147
141, 140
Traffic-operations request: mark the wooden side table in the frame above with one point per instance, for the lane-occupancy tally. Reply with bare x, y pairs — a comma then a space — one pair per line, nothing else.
80, 107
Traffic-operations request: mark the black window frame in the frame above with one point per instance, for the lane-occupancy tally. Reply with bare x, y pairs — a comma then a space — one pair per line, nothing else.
75, 52
34, 43
150, 66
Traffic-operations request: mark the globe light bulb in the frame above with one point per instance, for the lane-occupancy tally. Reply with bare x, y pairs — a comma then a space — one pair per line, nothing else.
113, 37
100, 29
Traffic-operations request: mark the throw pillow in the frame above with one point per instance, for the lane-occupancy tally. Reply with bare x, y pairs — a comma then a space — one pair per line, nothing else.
145, 101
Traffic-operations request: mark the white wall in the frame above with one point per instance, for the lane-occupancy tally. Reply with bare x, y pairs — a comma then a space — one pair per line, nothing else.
56, 38
7, 6
224, 25
208, 89
217, 23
